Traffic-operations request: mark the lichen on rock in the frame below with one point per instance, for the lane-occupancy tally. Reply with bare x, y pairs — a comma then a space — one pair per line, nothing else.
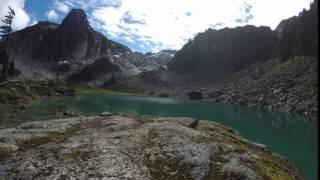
125, 147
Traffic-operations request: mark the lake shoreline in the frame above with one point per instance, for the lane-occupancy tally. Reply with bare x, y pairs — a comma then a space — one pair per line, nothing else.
60, 110
173, 93
16, 97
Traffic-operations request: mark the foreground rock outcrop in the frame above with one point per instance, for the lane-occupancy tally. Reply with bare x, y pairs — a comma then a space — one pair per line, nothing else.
120, 147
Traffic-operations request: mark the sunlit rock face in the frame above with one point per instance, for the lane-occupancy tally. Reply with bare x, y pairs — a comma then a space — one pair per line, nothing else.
114, 146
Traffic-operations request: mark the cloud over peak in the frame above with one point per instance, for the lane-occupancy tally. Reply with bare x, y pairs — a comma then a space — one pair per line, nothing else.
153, 25
52, 15
22, 19
168, 24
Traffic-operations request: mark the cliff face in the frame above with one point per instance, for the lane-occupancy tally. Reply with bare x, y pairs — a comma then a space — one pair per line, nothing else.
22, 45
75, 39
218, 53
38, 48
299, 35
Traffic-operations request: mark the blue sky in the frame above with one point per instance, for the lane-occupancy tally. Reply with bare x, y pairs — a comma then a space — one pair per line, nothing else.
153, 25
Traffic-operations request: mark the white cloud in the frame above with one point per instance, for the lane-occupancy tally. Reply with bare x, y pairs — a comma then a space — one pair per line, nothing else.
128, 39
271, 12
22, 19
168, 24
61, 7
52, 15
89, 4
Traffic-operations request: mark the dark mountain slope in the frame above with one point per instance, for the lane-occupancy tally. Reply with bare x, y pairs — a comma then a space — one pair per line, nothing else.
214, 54
299, 35
96, 73
38, 48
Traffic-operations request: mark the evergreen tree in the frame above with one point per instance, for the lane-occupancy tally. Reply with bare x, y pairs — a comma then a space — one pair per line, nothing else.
5, 31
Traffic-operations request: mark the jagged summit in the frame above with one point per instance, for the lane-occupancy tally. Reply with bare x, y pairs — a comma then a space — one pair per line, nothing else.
76, 18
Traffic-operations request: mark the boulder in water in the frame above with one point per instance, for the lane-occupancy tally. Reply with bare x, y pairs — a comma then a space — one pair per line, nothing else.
195, 95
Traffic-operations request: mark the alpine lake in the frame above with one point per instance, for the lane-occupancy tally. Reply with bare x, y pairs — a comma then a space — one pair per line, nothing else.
291, 135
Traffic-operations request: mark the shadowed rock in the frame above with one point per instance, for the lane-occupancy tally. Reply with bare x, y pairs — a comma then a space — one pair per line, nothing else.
194, 124
194, 95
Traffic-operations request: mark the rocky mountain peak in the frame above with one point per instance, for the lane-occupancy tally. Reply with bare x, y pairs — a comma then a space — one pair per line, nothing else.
37, 49
76, 18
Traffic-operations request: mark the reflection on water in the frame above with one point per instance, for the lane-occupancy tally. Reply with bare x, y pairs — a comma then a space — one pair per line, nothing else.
290, 135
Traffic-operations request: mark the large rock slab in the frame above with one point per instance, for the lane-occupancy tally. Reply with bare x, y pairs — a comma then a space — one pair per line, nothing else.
125, 147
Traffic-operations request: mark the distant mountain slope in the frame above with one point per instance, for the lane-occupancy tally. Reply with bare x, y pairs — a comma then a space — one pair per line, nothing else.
149, 61
127, 65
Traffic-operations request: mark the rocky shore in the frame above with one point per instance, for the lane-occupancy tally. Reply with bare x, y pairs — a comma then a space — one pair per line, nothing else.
116, 146
17, 95
290, 86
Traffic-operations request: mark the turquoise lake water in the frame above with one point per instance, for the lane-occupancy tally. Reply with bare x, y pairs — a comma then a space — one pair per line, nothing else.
290, 135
